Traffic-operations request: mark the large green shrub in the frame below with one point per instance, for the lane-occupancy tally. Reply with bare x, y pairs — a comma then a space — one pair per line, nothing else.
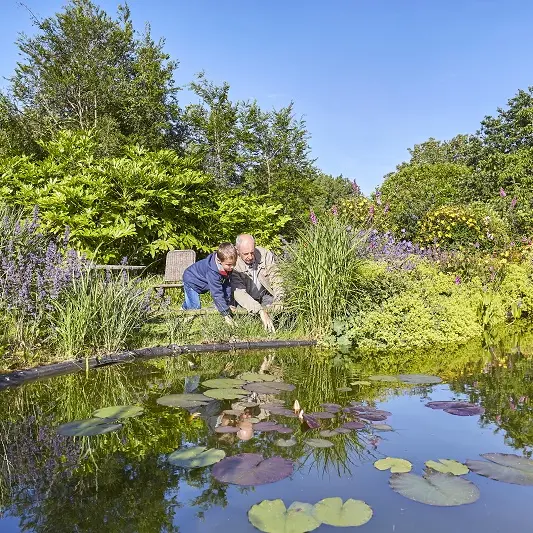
139, 205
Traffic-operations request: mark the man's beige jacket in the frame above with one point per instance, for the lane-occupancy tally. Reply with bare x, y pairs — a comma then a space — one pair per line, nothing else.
246, 293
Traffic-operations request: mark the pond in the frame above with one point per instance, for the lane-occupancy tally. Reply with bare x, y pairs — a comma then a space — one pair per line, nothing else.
122, 481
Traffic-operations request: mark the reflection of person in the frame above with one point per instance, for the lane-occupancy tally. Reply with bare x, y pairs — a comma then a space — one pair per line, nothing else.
255, 279
212, 274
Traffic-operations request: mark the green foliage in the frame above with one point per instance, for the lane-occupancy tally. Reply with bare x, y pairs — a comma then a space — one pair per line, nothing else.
414, 190
84, 69
322, 273
474, 226
138, 205
429, 309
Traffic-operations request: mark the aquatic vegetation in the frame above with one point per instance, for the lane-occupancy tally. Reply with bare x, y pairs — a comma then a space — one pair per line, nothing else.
394, 464
268, 387
286, 443
183, 400
252, 469
319, 443
506, 467
89, 427
223, 383
335, 512
118, 412
457, 408
435, 489
225, 394
271, 516
448, 466
196, 457
411, 379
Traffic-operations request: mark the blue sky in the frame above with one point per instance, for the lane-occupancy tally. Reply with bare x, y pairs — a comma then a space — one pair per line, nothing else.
371, 77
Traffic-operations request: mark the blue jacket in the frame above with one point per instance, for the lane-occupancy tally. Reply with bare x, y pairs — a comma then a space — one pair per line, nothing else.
203, 276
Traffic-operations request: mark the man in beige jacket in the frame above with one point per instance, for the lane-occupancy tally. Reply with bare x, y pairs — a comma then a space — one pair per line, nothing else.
255, 279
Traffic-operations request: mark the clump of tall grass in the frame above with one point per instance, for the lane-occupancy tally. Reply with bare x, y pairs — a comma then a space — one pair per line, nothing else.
99, 313
321, 273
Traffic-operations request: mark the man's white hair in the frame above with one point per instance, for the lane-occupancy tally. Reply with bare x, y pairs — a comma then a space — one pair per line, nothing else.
243, 237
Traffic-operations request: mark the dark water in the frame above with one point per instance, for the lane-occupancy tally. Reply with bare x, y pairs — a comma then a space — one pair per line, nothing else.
121, 483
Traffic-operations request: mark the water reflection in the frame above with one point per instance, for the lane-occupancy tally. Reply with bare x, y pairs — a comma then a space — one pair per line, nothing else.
120, 482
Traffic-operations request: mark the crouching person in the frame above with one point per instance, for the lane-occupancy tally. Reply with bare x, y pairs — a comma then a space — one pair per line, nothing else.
255, 281
212, 274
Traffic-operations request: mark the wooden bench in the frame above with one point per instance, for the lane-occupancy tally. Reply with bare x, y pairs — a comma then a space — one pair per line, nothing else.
177, 261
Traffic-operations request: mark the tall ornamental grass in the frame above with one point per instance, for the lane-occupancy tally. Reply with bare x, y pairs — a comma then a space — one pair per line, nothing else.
100, 313
322, 273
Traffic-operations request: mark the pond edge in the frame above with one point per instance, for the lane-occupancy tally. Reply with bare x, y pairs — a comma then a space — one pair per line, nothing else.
19, 377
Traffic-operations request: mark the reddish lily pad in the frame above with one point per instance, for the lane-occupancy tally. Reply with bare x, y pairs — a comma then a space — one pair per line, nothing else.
506, 467
450, 405
282, 411
331, 407
250, 469
465, 411
311, 422
322, 415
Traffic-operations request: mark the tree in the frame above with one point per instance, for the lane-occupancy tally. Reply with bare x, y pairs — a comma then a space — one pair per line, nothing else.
84, 70
214, 131
511, 128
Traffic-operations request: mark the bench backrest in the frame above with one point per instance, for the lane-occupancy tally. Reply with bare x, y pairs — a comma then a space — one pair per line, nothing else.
176, 263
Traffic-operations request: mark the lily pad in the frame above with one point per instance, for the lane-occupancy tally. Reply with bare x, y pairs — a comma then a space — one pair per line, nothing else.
333, 512
271, 516
187, 401
223, 383
450, 405
282, 411
329, 433
311, 422
233, 412
270, 387
267, 426
361, 382
322, 415
395, 465
251, 469
465, 411
254, 376
506, 467
118, 412
419, 379
319, 443
435, 489
285, 443
196, 457
88, 427
225, 394
331, 407
380, 377
448, 466
343, 431
354, 424
382, 427
226, 429
373, 416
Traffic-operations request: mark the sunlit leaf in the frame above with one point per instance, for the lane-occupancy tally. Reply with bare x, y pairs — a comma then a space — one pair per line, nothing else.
119, 412
394, 464
196, 457
333, 512
448, 466
271, 516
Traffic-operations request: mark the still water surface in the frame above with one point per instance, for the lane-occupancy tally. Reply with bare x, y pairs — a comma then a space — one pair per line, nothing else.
120, 482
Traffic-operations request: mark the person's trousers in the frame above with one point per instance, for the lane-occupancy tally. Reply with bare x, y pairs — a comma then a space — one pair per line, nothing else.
192, 298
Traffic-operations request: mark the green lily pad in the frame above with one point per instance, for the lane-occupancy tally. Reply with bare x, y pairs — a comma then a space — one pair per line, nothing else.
319, 443
225, 394
223, 383
333, 512
254, 376
88, 427
196, 457
271, 516
363, 382
506, 467
119, 412
448, 466
435, 489
380, 377
382, 427
329, 433
285, 443
395, 464
187, 401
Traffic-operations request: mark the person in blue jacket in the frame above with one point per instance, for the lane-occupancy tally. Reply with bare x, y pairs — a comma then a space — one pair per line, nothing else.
211, 274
